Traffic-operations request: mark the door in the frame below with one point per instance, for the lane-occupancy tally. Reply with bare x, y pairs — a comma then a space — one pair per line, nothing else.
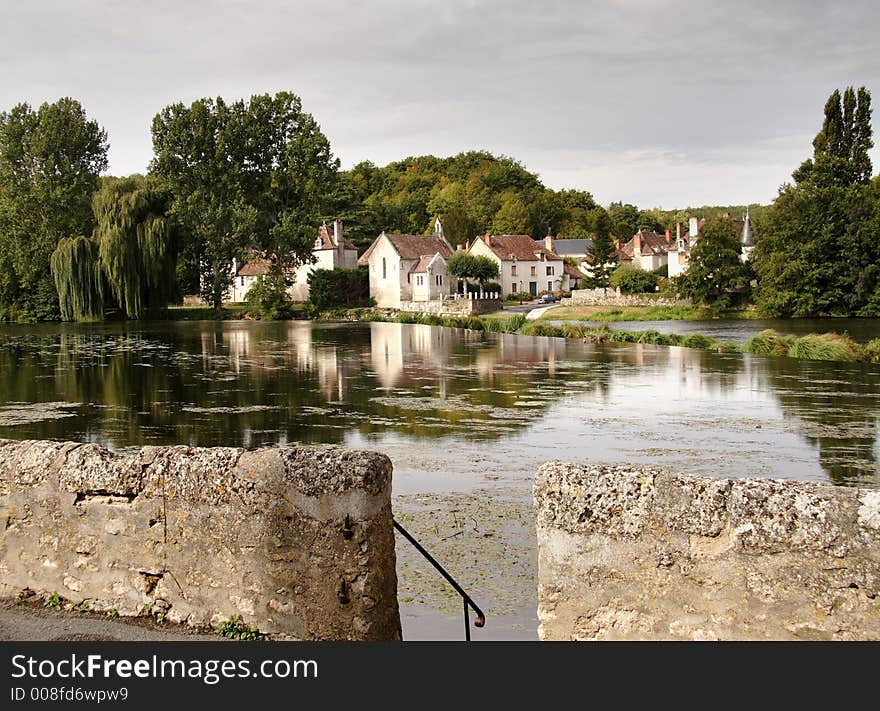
533, 288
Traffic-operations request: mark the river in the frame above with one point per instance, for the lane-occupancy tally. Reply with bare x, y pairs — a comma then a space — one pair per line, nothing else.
465, 416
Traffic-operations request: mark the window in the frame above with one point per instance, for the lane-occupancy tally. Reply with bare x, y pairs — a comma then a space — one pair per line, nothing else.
420, 280
534, 271
242, 280
513, 270
549, 271
439, 279
407, 277
549, 286
384, 269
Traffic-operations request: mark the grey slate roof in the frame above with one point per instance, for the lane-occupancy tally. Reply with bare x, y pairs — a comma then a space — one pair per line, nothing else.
564, 247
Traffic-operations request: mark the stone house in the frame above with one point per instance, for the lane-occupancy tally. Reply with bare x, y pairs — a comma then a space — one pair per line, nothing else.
646, 250
409, 268
524, 265
331, 251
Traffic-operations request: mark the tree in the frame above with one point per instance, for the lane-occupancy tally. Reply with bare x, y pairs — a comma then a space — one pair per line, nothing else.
715, 269
465, 265
50, 160
601, 253
245, 176
513, 217
816, 251
624, 220
137, 243
631, 280
79, 280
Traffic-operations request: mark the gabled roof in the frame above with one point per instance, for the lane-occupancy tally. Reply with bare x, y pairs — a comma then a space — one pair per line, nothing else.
257, 266
651, 243
425, 261
326, 240
411, 246
520, 247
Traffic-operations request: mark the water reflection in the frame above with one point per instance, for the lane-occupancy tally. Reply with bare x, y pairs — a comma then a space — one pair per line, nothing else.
252, 384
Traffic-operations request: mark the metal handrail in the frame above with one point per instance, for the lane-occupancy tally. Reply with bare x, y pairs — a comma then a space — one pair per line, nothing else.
467, 601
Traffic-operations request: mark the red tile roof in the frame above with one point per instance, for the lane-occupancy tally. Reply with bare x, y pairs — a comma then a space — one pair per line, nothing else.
412, 246
521, 247
651, 242
255, 267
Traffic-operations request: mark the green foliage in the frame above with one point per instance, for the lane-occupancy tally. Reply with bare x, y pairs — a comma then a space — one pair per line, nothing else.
347, 288
235, 628
698, 340
54, 602
79, 281
111, 613
716, 269
816, 250
50, 160
768, 343
871, 351
825, 346
633, 281
246, 175
269, 298
602, 252
138, 242
465, 265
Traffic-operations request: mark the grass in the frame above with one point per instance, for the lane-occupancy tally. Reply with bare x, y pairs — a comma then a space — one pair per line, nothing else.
641, 313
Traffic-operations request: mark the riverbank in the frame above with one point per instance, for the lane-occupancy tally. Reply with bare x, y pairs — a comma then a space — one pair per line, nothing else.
644, 313
813, 346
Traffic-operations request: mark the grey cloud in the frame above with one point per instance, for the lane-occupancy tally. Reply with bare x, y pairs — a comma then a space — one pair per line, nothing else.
680, 82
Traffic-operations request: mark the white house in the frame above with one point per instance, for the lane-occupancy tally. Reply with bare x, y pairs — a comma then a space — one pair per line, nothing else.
330, 250
408, 268
524, 265
679, 256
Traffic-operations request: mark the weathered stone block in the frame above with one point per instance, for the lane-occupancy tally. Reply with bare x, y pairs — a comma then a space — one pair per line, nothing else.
639, 553
297, 541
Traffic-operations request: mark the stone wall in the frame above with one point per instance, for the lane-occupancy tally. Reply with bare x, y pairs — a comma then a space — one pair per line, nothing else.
453, 307
645, 554
612, 297
297, 541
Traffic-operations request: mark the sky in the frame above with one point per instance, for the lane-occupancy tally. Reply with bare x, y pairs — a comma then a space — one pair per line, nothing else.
661, 103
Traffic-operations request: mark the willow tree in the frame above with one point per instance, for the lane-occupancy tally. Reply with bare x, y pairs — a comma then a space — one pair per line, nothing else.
76, 269
137, 243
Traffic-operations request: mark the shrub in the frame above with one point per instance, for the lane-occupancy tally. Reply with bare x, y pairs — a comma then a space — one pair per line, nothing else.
269, 297
825, 346
515, 323
871, 351
768, 343
633, 281
339, 287
235, 628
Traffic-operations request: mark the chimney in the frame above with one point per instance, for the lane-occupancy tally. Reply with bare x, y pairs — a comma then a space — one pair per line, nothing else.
617, 244
438, 227
668, 236
677, 231
467, 245
548, 243
693, 228
637, 244
488, 240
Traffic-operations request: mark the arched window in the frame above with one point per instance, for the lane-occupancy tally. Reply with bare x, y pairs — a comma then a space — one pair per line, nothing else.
384, 270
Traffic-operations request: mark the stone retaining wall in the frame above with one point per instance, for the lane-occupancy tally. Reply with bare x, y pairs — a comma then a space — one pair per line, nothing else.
628, 553
453, 307
612, 297
297, 541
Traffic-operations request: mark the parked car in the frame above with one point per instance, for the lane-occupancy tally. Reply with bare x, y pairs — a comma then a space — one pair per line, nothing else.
547, 299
